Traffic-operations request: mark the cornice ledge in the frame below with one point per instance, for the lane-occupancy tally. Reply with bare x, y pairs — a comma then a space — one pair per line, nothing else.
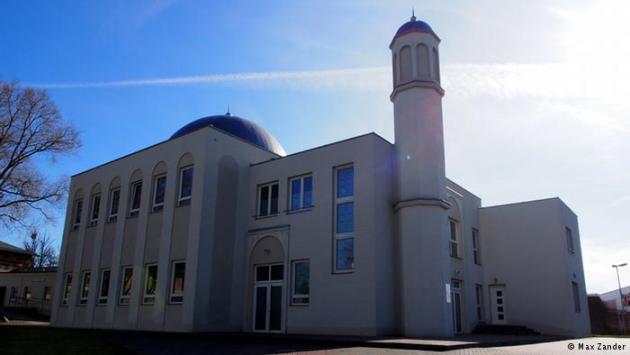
428, 202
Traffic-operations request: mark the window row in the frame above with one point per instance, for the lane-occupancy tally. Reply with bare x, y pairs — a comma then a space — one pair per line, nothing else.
301, 197
454, 242
184, 194
176, 293
27, 295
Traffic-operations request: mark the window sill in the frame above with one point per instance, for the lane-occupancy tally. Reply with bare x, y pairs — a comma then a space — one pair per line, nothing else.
267, 216
158, 208
341, 272
92, 224
112, 219
301, 210
133, 214
184, 202
299, 305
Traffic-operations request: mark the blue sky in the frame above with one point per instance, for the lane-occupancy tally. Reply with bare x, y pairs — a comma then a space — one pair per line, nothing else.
535, 106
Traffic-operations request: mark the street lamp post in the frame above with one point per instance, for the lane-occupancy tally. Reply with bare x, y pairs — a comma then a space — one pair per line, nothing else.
622, 319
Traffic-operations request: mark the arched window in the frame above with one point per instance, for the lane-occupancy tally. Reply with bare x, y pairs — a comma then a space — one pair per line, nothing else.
395, 69
158, 189
405, 64
422, 58
436, 65
185, 179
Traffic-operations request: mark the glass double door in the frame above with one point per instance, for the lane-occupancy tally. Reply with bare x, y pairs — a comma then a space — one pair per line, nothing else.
268, 292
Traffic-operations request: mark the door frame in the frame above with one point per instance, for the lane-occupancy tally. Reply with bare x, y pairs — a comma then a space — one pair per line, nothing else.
268, 285
457, 290
494, 316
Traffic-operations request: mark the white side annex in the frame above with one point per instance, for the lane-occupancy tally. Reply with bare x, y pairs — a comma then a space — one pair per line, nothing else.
216, 229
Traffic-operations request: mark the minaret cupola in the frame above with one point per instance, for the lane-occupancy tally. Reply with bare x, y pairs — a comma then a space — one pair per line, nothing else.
415, 56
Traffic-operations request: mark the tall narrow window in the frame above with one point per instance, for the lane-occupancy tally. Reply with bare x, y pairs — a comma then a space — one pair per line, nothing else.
104, 289
576, 297
27, 293
405, 64
344, 219
185, 185
136, 194
150, 283
125, 286
114, 198
67, 287
177, 282
436, 65
47, 294
78, 209
479, 300
300, 293
453, 246
476, 246
85, 287
159, 187
268, 199
96, 205
569, 236
301, 193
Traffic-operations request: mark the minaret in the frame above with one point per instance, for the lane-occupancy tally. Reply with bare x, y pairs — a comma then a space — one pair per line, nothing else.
421, 209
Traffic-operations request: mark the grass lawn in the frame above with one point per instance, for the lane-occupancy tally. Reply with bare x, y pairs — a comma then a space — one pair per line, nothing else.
25, 340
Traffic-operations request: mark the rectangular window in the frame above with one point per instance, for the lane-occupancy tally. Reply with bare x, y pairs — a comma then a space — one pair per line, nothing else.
14, 294
344, 219
159, 188
268, 199
300, 293
85, 287
104, 288
185, 185
27, 293
114, 198
569, 236
576, 297
125, 286
47, 294
136, 195
95, 208
479, 300
67, 287
476, 246
150, 283
301, 193
78, 209
178, 277
453, 245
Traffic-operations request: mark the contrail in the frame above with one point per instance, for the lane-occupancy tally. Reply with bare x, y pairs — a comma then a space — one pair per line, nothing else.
216, 78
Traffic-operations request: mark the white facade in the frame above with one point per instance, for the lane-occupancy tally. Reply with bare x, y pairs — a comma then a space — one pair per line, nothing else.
357, 237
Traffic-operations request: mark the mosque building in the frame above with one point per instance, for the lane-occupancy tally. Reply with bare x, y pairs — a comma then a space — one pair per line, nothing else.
217, 229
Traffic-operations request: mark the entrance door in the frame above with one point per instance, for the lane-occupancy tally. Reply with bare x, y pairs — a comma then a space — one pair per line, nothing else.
497, 304
268, 300
456, 302
3, 291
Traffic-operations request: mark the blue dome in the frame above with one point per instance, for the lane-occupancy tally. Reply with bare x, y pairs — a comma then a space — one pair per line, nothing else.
414, 26
236, 126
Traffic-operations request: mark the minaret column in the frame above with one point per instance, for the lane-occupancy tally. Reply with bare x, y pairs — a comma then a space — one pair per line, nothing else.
421, 209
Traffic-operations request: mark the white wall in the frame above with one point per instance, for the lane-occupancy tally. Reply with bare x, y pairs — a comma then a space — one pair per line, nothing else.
525, 248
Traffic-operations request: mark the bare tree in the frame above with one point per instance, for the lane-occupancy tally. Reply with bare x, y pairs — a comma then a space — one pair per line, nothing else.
31, 127
44, 253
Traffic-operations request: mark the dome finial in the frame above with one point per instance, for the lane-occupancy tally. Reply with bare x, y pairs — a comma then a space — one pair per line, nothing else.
228, 111
413, 14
